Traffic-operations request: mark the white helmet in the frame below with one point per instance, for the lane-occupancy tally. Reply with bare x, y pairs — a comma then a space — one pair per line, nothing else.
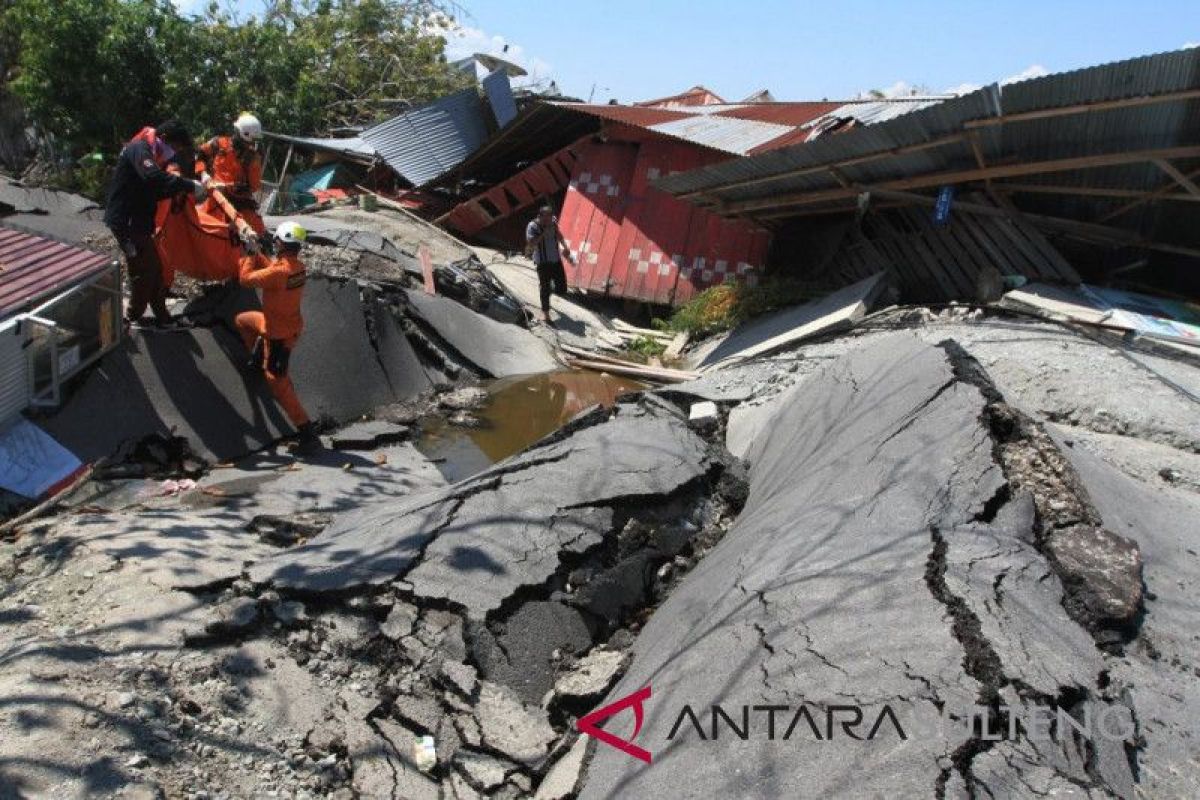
248, 128
291, 233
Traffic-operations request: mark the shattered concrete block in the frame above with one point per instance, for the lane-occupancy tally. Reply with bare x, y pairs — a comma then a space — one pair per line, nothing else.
458, 676
619, 589
381, 757
524, 658
468, 729
400, 621
456, 787
512, 728
1102, 573
443, 632
592, 676
703, 415
368, 435
234, 617
563, 777
420, 711
447, 740
290, 613
483, 771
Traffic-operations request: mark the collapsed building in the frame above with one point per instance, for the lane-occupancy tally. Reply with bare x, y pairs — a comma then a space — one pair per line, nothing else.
954, 516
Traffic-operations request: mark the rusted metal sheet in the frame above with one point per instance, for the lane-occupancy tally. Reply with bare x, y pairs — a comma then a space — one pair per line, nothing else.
33, 267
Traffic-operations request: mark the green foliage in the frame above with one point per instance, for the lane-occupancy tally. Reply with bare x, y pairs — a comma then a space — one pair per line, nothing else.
722, 307
92, 72
646, 346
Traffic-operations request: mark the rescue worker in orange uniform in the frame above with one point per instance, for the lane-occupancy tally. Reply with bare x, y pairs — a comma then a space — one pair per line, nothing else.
271, 334
232, 165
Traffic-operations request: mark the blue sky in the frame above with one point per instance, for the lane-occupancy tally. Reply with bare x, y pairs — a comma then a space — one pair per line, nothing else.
811, 50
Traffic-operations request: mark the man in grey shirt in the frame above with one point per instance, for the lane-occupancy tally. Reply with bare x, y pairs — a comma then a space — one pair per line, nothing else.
544, 243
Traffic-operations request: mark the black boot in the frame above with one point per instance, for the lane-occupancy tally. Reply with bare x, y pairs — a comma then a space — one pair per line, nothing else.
307, 441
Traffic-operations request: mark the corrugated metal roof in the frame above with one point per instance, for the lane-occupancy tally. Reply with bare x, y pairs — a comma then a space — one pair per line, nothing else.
736, 128
32, 268
730, 134
783, 171
498, 91
427, 142
353, 146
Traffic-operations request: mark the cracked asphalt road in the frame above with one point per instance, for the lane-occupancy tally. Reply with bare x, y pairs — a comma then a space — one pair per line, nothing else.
863, 570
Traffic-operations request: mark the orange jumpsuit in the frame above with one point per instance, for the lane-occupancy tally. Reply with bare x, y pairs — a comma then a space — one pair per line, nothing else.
239, 172
281, 280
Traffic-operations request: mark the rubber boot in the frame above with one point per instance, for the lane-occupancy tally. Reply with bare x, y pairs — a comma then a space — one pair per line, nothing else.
307, 441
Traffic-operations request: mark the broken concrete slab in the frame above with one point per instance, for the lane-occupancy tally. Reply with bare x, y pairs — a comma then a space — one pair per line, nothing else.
478, 542
405, 374
190, 383
368, 435
780, 329
336, 369
574, 324
496, 349
1165, 700
1104, 569
484, 772
520, 732
592, 676
524, 656
562, 780
844, 582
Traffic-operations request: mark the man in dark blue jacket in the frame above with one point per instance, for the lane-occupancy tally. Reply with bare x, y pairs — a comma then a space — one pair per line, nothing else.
139, 182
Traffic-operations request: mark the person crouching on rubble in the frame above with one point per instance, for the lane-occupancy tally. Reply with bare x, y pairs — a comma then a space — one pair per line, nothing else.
270, 335
139, 182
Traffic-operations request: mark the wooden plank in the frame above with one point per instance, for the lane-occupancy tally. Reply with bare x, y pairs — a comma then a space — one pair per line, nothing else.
1165, 190
1088, 191
618, 367
1177, 176
675, 348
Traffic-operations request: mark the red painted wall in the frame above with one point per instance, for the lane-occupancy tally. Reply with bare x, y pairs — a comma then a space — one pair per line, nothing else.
633, 241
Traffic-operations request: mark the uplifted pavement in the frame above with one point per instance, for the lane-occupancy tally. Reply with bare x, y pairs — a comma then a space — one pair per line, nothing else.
882, 562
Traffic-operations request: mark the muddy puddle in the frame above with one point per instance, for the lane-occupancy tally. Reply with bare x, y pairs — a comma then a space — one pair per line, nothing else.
518, 412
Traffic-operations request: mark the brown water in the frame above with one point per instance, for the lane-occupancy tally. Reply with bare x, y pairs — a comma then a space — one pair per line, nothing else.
518, 412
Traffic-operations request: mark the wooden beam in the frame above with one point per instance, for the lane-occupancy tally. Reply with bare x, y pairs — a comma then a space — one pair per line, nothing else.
1084, 230
1083, 108
964, 176
849, 162
1089, 191
1177, 176
1163, 191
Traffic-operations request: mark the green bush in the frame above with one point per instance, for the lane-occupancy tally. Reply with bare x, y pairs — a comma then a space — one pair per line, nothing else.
722, 307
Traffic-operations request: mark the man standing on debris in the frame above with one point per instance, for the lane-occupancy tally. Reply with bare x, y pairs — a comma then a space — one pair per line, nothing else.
232, 165
544, 243
271, 334
139, 182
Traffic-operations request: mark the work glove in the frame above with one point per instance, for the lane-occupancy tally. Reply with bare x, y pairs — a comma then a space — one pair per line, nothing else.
129, 249
198, 191
206, 180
